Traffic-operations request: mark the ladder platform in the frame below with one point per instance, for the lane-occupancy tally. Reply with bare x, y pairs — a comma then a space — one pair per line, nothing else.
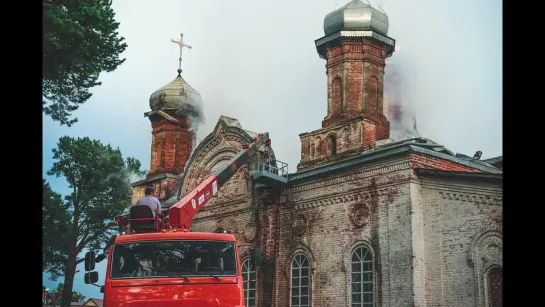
270, 175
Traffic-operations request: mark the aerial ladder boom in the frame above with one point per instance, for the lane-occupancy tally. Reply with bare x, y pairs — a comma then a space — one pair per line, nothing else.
181, 214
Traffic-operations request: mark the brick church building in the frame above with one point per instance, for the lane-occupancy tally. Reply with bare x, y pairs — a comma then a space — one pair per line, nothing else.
366, 220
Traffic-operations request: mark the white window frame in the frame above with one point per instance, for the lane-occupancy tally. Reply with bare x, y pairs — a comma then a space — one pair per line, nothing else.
363, 270
247, 273
299, 286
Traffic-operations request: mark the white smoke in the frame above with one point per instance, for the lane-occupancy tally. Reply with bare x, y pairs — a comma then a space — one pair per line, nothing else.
191, 106
402, 108
134, 177
451, 69
127, 176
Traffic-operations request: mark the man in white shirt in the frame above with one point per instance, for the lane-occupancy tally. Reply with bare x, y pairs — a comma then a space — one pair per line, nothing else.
150, 201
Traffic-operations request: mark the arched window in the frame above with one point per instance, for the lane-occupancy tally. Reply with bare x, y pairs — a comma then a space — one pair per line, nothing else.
300, 281
373, 95
336, 96
487, 268
495, 286
162, 160
331, 145
362, 277
159, 155
177, 153
318, 148
184, 152
249, 280
346, 139
154, 159
312, 150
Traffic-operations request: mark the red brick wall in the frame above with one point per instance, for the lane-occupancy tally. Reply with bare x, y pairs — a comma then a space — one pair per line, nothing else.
369, 134
267, 241
336, 96
382, 125
164, 189
350, 139
170, 148
422, 161
355, 70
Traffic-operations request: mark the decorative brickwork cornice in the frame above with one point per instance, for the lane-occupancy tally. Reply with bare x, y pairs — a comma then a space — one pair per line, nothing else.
370, 171
346, 197
477, 199
321, 42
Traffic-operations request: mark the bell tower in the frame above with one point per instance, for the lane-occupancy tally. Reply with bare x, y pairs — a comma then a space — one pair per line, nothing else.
355, 47
174, 109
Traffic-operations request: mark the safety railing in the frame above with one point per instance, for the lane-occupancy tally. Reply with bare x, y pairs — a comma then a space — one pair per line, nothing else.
279, 168
125, 220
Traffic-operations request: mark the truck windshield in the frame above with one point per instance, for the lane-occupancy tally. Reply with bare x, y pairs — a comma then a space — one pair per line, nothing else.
151, 259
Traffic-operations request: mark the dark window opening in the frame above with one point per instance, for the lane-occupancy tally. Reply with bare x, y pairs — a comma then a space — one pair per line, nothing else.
495, 287
162, 163
331, 144
337, 105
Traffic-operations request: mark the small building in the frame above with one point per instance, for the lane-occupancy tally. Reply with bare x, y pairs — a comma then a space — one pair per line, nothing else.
94, 302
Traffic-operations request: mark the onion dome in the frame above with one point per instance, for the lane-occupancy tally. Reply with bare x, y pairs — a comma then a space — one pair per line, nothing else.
356, 16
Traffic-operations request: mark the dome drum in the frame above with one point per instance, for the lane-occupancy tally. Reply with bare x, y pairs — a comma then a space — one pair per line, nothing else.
322, 43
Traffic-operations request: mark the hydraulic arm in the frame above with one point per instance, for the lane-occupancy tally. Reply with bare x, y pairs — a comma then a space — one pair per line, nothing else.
181, 214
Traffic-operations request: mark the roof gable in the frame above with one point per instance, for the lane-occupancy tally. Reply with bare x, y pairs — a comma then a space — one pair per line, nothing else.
226, 129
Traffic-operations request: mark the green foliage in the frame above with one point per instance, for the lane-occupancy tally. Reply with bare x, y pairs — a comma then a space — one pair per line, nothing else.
99, 179
55, 221
76, 296
134, 166
80, 42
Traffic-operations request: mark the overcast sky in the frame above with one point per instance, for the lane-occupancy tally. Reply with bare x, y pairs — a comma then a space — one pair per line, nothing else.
256, 61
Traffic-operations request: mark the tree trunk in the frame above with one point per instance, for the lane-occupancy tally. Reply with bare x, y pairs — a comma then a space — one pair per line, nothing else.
71, 261
72, 254
69, 278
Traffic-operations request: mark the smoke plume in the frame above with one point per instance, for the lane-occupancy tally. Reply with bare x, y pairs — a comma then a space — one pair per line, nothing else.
191, 106
133, 176
126, 176
401, 108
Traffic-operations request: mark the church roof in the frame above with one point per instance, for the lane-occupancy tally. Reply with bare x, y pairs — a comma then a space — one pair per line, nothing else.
390, 150
233, 122
496, 161
460, 175
179, 96
231, 125
163, 114
155, 178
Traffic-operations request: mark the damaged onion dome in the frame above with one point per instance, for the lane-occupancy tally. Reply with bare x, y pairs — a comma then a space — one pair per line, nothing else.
356, 16
177, 96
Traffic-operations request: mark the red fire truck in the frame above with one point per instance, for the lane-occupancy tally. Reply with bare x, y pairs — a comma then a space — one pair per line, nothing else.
160, 262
